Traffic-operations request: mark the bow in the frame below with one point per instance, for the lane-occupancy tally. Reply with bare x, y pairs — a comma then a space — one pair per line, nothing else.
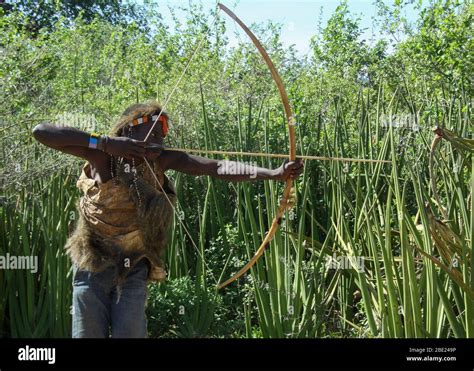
285, 200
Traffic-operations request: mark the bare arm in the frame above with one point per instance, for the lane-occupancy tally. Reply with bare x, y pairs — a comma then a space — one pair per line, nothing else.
76, 142
223, 169
66, 139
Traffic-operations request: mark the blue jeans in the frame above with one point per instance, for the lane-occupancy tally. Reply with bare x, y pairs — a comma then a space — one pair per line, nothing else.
100, 309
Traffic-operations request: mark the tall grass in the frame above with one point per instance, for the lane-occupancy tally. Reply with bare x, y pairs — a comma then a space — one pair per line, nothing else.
374, 211
387, 214
380, 212
36, 224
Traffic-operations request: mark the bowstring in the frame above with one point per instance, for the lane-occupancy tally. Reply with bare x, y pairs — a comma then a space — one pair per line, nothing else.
180, 221
201, 42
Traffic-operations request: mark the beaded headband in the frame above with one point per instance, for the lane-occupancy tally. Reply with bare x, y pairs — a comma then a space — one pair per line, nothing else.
145, 119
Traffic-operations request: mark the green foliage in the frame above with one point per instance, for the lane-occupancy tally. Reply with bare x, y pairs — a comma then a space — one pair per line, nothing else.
341, 51
180, 308
87, 64
42, 15
442, 48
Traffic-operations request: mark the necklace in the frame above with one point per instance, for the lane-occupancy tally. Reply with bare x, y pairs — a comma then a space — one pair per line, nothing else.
133, 169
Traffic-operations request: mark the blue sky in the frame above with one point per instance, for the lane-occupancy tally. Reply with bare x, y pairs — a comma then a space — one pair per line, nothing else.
299, 17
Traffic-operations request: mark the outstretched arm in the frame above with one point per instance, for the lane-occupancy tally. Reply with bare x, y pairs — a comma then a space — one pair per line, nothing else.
76, 142
233, 171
